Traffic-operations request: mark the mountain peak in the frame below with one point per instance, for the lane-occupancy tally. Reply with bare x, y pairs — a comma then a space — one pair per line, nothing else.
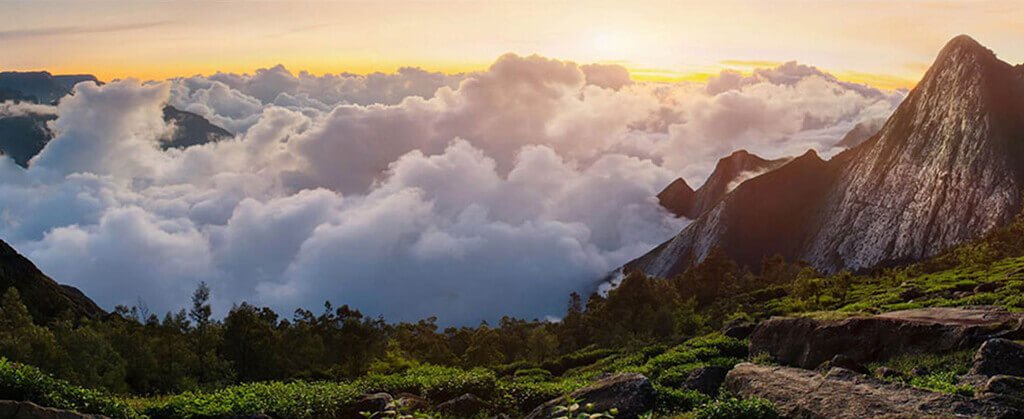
963, 53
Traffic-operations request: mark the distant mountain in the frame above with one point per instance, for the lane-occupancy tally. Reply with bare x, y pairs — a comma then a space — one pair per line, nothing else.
36, 86
861, 133
22, 137
45, 298
191, 129
947, 167
730, 171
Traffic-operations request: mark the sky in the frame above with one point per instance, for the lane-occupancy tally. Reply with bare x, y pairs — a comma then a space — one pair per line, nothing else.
465, 160
884, 43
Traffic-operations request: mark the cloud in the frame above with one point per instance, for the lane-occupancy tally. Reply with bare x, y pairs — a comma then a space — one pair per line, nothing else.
407, 195
12, 34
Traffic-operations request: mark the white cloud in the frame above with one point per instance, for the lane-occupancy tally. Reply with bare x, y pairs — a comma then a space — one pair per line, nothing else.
408, 195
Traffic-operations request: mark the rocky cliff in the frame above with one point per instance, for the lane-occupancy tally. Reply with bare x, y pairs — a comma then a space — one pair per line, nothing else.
944, 169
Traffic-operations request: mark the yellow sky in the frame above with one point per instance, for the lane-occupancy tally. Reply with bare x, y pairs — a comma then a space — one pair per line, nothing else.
886, 43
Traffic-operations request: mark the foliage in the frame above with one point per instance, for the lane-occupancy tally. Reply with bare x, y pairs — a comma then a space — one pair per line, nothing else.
22, 382
730, 407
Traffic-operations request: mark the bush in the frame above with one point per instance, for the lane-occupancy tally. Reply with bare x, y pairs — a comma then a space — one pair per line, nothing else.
433, 382
576, 359
672, 400
731, 407
280, 400
25, 383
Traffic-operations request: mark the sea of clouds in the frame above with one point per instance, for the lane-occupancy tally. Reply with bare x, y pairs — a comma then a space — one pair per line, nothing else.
407, 195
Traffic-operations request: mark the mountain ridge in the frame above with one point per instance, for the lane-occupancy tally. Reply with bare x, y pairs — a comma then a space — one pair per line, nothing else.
934, 176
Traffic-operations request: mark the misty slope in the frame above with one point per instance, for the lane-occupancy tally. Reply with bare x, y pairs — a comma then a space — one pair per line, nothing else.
945, 168
730, 171
45, 298
22, 137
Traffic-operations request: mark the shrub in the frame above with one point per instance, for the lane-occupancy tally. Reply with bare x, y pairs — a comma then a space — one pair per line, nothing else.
731, 407
281, 400
673, 400
23, 382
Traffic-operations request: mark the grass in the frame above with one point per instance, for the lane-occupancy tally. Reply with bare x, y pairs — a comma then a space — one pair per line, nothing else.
940, 372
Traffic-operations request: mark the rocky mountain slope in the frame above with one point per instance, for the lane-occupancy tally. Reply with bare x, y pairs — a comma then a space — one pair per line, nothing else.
44, 297
945, 168
730, 171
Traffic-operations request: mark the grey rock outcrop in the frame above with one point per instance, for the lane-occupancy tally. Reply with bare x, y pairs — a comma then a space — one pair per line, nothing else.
807, 343
631, 394
999, 357
800, 393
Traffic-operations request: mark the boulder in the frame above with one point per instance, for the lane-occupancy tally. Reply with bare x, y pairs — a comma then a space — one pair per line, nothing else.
844, 394
706, 380
10, 409
412, 402
372, 403
845, 362
999, 357
738, 329
1005, 390
806, 342
631, 394
466, 405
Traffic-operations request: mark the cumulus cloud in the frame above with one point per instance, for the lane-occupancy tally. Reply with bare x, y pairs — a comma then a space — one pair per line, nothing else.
408, 195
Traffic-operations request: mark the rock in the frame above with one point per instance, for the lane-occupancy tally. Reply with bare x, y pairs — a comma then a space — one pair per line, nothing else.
465, 405
631, 394
843, 394
987, 287
372, 403
738, 329
412, 402
806, 343
706, 380
999, 357
887, 373
1005, 390
844, 362
10, 409
910, 293
919, 371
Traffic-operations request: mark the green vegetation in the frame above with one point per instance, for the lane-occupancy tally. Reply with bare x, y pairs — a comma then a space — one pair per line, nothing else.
188, 364
729, 407
23, 382
937, 372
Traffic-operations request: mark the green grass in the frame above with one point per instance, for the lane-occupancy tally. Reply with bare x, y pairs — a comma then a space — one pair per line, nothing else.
26, 383
941, 371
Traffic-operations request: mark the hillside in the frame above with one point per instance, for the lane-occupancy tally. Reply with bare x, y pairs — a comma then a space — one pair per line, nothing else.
44, 297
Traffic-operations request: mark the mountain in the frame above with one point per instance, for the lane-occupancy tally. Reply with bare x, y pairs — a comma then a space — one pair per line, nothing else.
35, 86
24, 136
861, 133
191, 129
947, 167
730, 171
45, 298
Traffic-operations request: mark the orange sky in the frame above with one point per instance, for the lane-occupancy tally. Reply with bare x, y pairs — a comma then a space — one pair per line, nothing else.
884, 43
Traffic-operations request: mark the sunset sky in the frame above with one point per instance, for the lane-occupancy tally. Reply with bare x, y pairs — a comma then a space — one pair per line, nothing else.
884, 43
